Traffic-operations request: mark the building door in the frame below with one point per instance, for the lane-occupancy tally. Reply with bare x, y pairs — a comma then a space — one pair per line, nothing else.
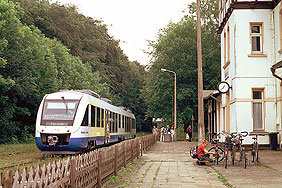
257, 110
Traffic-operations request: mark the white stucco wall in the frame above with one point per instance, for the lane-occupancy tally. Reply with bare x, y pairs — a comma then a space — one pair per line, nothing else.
247, 72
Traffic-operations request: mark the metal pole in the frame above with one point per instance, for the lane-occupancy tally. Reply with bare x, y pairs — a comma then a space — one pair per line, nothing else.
165, 70
175, 135
201, 126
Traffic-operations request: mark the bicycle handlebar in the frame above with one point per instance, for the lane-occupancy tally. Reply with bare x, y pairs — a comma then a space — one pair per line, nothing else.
244, 133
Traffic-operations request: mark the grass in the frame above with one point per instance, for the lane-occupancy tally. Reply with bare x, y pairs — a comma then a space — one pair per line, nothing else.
141, 133
268, 166
18, 156
222, 178
11, 149
125, 174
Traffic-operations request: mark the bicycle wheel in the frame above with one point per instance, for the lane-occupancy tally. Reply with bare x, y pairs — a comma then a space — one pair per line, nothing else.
220, 153
244, 160
257, 156
253, 155
226, 159
233, 157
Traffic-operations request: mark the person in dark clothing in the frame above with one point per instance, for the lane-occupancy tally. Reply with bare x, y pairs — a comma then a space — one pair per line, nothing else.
189, 132
167, 129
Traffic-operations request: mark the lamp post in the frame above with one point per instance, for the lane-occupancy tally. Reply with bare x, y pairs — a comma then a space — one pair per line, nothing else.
165, 70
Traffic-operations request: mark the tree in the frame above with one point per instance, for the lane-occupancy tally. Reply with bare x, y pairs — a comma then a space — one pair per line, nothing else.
175, 49
88, 39
32, 66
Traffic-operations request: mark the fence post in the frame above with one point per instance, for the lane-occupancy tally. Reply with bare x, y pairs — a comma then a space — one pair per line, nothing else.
72, 172
116, 159
124, 154
8, 179
141, 147
131, 144
137, 147
99, 168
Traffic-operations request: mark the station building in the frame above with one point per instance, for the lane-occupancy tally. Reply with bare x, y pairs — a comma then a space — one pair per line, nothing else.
251, 64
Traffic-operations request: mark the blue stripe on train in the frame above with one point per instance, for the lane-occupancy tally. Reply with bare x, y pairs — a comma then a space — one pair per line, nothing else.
75, 144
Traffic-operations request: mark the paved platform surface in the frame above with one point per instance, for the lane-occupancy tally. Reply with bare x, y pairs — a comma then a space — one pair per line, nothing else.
169, 165
266, 174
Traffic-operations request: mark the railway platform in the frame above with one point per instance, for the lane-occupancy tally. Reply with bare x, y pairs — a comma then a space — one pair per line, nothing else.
169, 165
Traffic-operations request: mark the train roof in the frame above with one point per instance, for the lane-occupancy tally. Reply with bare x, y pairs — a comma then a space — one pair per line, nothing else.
102, 102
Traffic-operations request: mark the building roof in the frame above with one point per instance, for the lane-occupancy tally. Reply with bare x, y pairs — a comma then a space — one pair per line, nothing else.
208, 93
157, 120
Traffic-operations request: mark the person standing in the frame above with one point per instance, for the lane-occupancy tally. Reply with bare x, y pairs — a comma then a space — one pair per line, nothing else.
155, 130
189, 132
167, 129
162, 134
172, 133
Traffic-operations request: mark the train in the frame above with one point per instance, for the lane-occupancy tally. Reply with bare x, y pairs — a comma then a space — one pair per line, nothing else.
74, 121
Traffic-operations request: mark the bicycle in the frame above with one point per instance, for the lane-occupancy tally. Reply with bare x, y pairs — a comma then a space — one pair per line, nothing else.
219, 153
228, 145
243, 156
255, 149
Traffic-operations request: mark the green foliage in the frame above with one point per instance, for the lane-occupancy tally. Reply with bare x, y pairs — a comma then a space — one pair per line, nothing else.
31, 66
176, 50
88, 39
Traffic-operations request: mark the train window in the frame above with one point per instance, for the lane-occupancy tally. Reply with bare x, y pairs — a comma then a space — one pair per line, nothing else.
119, 121
126, 124
98, 117
116, 122
134, 124
123, 122
85, 118
130, 123
102, 118
93, 119
111, 122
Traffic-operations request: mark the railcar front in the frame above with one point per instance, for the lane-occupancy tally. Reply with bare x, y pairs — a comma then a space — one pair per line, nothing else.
59, 124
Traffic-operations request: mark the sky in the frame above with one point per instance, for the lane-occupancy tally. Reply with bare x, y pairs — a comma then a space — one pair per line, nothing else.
133, 22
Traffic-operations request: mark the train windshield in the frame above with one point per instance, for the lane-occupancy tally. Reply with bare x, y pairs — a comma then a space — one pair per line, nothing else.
59, 112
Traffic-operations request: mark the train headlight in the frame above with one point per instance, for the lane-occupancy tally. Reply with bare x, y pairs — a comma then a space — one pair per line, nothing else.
52, 140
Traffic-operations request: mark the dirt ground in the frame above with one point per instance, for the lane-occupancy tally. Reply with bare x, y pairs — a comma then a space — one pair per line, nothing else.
170, 165
268, 173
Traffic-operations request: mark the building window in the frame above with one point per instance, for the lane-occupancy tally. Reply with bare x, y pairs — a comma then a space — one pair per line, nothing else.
257, 109
228, 45
224, 47
280, 26
256, 37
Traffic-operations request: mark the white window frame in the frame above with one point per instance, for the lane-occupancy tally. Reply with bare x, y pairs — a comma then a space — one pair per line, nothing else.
262, 109
260, 35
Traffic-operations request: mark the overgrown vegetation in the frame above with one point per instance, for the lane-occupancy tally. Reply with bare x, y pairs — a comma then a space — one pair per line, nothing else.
40, 54
222, 178
176, 50
18, 156
124, 177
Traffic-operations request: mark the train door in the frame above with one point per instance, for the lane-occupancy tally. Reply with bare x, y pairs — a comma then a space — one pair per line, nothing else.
107, 118
85, 124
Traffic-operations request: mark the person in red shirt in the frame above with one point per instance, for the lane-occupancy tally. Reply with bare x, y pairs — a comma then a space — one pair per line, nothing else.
203, 154
189, 132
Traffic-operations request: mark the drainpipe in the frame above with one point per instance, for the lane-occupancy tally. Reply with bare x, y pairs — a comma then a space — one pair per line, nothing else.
272, 69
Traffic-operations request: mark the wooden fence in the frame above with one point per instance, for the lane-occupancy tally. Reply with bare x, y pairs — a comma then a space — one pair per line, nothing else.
88, 170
